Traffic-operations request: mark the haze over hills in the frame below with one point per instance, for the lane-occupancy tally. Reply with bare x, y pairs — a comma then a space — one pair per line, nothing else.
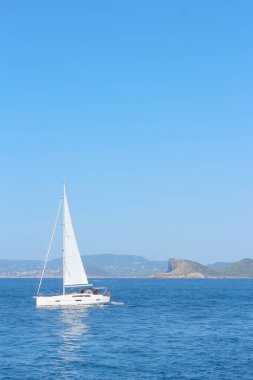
105, 265
117, 265
242, 268
219, 266
111, 265
12, 267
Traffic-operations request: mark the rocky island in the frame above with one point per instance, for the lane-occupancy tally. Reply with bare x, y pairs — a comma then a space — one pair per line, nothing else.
178, 268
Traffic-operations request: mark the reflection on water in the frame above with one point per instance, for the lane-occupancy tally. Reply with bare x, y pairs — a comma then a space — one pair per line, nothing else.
73, 322
73, 332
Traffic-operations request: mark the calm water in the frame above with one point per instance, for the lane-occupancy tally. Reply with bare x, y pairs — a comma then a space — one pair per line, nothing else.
167, 329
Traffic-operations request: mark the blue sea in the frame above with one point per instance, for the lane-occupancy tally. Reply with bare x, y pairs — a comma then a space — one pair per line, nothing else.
166, 329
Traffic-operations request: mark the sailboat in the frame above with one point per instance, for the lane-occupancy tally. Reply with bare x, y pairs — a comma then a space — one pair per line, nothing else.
74, 276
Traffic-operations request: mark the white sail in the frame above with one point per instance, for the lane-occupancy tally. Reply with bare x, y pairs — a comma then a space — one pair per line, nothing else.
73, 270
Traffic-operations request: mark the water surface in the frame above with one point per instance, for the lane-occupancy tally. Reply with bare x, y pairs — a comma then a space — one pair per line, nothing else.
167, 329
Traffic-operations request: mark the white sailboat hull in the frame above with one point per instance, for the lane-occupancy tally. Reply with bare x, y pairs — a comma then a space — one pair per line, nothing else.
73, 299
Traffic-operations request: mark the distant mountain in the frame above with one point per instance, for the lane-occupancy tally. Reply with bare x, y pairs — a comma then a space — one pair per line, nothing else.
117, 265
20, 267
219, 266
110, 265
242, 268
187, 269
104, 265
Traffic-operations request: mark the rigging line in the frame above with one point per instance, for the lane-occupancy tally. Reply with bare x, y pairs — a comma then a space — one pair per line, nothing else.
49, 247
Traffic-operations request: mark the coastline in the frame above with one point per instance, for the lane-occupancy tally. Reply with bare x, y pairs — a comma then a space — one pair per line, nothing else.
139, 277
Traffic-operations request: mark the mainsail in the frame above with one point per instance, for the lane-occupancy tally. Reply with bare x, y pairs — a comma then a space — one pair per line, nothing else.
73, 270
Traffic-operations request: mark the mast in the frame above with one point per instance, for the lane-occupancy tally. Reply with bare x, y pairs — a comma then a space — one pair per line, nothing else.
63, 239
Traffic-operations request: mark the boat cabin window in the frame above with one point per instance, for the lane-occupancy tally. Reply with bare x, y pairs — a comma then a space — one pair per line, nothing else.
89, 291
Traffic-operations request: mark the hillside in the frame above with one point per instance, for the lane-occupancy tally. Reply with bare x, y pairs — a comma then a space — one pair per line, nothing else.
105, 265
187, 269
117, 265
219, 265
242, 268
125, 265
20, 267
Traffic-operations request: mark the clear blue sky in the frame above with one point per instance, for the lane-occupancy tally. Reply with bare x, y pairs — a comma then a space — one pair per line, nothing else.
145, 108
